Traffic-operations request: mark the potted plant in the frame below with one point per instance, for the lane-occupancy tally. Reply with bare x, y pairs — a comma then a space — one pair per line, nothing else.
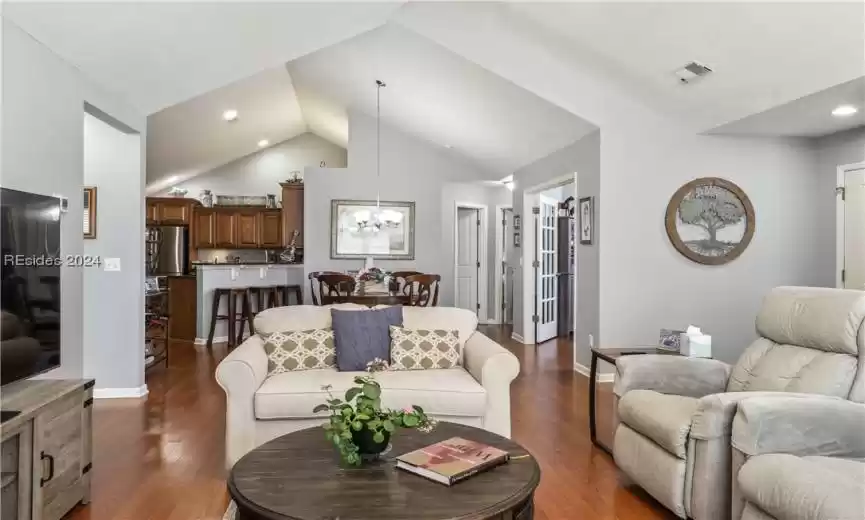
359, 427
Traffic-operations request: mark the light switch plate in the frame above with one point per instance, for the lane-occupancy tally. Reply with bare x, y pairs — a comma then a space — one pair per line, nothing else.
112, 264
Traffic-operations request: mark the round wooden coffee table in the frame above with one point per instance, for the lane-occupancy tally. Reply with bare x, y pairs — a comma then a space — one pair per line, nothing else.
298, 476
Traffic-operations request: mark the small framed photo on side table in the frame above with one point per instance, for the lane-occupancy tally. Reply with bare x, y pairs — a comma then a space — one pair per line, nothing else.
670, 340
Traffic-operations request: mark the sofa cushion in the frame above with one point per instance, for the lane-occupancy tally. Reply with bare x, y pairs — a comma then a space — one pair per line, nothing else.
813, 488
299, 317
666, 419
423, 349
299, 350
444, 318
293, 395
362, 337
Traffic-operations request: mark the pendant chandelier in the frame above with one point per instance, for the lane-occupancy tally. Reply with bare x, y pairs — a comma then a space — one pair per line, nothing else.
373, 221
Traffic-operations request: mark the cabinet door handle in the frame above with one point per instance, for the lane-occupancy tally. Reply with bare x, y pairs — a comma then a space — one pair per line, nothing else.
44, 480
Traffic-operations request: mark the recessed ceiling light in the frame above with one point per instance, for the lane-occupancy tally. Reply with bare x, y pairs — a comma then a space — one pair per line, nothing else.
844, 111
448, 146
229, 115
263, 143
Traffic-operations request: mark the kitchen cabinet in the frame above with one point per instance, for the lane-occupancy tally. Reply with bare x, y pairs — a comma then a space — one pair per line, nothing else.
292, 212
225, 223
203, 229
170, 211
247, 228
270, 228
182, 308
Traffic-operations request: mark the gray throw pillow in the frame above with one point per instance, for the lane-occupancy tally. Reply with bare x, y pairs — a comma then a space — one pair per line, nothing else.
362, 336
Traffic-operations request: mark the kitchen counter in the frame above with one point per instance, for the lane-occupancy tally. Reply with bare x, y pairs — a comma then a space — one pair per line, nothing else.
211, 276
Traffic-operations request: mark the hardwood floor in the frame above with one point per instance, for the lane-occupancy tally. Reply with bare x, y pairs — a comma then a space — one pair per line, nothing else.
162, 459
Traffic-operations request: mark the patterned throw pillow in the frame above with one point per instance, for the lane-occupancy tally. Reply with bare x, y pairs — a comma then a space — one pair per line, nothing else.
423, 349
299, 350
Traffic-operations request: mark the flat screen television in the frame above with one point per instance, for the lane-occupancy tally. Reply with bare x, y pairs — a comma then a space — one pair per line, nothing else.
30, 292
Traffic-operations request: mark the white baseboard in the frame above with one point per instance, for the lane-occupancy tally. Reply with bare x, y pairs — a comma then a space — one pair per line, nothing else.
602, 378
120, 393
516, 337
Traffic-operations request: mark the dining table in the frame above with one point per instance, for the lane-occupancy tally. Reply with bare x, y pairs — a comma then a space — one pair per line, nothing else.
370, 295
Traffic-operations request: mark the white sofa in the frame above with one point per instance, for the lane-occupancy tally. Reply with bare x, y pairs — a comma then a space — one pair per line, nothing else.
259, 409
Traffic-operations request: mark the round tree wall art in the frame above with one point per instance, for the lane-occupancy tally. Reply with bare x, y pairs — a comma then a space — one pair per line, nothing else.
710, 220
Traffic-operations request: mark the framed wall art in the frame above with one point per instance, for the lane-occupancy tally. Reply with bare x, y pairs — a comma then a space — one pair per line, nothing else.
360, 230
517, 242
517, 222
587, 220
710, 221
90, 212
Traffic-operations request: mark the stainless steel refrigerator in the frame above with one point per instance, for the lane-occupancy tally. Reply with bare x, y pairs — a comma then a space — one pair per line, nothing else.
166, 250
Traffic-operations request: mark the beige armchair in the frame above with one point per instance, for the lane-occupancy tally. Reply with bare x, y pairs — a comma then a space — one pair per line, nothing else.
676, 413
799, 459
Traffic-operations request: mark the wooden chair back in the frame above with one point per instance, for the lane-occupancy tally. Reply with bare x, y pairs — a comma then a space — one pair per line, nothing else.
335, 287
315, 286
423, 290
397, 281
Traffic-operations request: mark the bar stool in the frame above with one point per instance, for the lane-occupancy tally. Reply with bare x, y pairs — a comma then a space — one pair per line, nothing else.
271, 296
235, 337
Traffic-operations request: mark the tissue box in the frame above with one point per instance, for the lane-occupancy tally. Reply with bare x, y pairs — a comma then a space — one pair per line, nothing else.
696, 346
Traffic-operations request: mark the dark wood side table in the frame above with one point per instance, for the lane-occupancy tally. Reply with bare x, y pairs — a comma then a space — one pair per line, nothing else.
610, 355
298, 476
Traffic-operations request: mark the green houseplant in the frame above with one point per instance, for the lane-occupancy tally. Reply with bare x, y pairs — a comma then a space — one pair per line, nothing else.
359, 427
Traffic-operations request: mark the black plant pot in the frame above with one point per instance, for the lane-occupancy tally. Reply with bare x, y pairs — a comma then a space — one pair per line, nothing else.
367, 448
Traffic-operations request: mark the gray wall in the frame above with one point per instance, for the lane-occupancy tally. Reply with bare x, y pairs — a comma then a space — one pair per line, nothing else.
411, 170
42, 152
113, 333
647, 285
261, 172
832, 151
582, 157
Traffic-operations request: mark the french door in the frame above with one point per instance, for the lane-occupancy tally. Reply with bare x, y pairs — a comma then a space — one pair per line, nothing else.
546, 269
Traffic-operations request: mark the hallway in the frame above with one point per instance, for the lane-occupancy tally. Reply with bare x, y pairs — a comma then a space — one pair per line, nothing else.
163, 459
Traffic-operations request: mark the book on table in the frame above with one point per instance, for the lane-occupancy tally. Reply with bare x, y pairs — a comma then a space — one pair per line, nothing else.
452, 460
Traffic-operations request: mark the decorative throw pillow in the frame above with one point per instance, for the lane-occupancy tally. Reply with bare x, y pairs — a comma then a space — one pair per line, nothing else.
423, 349
362, 336
299, 350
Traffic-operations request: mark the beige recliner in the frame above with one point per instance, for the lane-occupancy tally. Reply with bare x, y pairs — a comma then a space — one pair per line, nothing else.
799, 459
676, 413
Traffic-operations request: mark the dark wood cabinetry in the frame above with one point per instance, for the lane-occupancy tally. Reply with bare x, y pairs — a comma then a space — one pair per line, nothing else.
270, 228
203, 228
170, 211
247, 228
226, 232
292, 213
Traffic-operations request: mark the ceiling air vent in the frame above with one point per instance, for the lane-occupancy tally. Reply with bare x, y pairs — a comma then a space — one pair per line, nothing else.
691, 72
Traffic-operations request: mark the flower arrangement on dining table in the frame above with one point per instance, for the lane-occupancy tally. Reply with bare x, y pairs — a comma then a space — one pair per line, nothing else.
367, 277
358, 426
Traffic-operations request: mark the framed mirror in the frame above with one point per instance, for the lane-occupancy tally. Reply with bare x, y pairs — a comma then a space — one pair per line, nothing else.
89, 212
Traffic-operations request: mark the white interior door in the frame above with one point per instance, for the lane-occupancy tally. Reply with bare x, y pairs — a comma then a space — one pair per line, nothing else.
468, 264
853, 276
547, 279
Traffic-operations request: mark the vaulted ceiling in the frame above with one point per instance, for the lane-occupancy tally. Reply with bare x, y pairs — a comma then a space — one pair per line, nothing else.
288, 68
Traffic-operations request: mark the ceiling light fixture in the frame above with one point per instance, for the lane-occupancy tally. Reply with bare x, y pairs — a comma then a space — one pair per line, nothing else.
844, 110
263, 143
229, 115
374, 221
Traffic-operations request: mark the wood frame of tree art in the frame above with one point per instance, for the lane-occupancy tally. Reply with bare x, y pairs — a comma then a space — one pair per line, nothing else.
710, 221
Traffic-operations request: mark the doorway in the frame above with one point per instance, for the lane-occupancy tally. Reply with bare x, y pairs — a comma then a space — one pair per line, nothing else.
850, 233
470, 259
504, 275
546, 268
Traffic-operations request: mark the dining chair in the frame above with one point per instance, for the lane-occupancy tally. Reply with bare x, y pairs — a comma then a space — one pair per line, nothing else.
335, 287
397, 281
423, 290
315, 286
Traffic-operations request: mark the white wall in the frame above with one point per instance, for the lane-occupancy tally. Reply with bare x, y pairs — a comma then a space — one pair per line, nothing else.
42, 144
113, 334
832, 151
411, 170
582, 158
261, 172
